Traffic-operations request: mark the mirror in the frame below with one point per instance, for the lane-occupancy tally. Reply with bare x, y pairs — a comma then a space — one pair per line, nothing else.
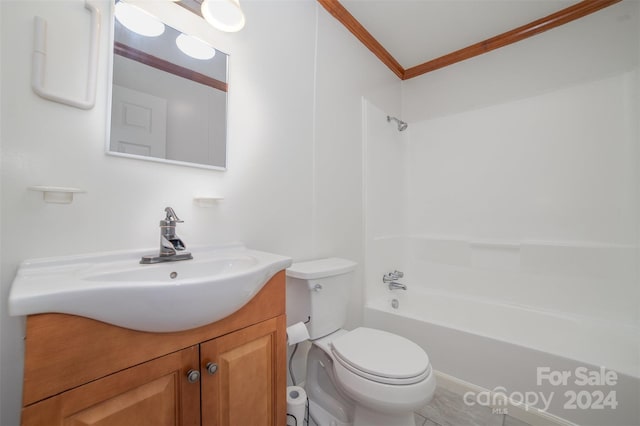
166, 105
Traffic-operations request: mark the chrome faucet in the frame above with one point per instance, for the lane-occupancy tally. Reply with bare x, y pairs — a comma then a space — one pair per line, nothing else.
390, 279
397, 286
170, 243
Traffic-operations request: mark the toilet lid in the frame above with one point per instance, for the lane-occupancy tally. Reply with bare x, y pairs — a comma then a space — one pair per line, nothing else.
381, 354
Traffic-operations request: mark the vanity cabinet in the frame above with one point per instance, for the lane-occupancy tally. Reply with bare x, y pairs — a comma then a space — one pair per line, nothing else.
240, 390
233, 372
150, 394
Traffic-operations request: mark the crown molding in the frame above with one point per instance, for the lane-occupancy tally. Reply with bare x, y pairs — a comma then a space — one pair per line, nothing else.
566, 15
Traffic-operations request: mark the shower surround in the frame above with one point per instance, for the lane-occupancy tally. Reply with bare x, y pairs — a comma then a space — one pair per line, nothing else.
517, 227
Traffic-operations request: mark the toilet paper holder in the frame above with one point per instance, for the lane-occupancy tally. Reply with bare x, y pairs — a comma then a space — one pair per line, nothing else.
297, 333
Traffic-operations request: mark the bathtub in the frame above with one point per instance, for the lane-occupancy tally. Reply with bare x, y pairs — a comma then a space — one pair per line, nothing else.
575, 368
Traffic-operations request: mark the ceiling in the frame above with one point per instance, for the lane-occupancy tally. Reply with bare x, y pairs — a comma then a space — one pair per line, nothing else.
414, 32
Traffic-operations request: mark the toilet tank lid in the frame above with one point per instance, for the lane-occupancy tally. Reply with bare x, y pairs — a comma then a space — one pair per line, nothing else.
320, 268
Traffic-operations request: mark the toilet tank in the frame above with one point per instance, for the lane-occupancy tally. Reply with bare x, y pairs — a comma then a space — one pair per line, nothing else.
320, 288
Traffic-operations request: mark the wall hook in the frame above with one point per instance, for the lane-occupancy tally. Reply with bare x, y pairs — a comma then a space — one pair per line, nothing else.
38, 65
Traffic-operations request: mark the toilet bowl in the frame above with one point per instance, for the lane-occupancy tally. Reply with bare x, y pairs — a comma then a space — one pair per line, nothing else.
363, 377
386, 376
383, 371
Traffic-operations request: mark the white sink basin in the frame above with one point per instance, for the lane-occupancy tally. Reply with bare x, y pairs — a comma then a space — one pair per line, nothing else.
174, 296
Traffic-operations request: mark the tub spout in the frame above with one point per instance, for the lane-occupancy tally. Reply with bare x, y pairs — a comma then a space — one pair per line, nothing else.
396, 286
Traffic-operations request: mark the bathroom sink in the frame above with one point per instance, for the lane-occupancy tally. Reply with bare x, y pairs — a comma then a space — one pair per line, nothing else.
165, 297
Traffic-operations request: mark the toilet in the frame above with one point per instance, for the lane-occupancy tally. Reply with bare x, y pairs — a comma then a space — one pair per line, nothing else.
362, 377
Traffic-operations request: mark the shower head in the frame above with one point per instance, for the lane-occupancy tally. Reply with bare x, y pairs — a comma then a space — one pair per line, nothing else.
401, 124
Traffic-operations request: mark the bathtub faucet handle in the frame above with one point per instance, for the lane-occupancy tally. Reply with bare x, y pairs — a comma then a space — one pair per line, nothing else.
392, 276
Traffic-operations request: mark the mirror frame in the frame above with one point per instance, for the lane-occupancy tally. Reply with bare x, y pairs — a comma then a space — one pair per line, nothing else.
175, 70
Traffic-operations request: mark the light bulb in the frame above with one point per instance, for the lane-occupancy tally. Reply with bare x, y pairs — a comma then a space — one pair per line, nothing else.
224, 15
195, 47
137, 20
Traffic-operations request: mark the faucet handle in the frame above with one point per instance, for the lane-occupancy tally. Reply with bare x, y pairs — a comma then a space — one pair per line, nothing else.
172, 216
398, 274
392, 276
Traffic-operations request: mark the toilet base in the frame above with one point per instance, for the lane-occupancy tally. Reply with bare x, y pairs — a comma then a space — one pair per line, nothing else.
322, 417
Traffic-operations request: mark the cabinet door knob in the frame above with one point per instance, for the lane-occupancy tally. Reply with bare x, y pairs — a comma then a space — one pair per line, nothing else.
193, 376
212, 367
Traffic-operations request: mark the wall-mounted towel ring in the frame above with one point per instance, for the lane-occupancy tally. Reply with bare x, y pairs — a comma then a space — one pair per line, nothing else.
40, 55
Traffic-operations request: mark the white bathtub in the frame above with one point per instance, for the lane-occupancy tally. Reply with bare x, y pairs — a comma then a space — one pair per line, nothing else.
521, 351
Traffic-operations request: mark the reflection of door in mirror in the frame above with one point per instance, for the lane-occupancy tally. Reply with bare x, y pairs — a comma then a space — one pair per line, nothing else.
138, 123
166, 105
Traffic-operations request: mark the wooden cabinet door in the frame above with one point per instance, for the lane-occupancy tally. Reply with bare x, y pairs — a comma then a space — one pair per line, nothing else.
249, 385
154, 393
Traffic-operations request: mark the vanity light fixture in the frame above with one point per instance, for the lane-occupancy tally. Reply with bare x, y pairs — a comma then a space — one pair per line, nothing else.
194, 47
138, 20
223, 15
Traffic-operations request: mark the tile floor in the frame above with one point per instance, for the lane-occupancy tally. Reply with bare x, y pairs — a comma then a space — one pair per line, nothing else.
448, 409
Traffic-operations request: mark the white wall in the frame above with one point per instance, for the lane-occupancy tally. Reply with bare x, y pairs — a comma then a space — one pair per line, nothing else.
345, 72
338, 147
532, 202
294, 182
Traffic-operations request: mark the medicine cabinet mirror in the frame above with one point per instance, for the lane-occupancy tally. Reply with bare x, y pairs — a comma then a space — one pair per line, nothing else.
166, 105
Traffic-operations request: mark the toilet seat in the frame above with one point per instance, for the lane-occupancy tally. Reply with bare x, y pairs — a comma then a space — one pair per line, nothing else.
373, 390
381, 357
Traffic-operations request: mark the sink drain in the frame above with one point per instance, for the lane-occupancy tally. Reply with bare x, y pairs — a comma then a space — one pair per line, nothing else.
173, 275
